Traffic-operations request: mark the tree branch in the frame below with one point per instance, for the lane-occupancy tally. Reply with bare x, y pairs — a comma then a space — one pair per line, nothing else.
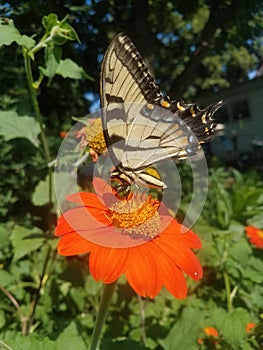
217, 16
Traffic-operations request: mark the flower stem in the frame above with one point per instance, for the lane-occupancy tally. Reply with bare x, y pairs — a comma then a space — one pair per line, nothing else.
105, 301
40, 286
23, 318
42, 44
33, 95
142, 315
228, 292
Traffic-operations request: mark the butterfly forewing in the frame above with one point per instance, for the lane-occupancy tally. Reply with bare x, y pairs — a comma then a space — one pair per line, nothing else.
124, 76
140, 125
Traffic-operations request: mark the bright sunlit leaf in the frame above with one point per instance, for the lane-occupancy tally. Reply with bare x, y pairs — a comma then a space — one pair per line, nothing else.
13, 126
9, 34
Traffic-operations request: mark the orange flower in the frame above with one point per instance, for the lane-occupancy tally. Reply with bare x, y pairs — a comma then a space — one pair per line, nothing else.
250, 327
200, 341
255, 236
63, 134
211, 331
135, 237
211, 338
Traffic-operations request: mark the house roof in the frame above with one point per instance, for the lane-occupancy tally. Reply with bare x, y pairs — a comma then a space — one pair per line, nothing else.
233, 91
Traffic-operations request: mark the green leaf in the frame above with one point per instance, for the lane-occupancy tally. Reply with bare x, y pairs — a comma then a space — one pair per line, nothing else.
4, 239
6, 278
16, 341
40, 195
240, 251
70, 338
2, 318
13, 126
49, 22
254, 270
10, 34
52, 56
184, 334
69, 69
60, 31
127, 344
234, 328
25, 240
66, 68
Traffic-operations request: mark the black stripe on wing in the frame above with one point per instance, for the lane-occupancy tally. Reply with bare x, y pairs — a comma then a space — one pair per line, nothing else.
124, 67
199, 120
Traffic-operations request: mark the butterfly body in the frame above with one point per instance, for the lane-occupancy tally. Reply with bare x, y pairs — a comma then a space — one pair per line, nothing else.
140, 125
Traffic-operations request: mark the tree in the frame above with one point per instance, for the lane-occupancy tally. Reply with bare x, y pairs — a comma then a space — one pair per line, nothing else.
192, 46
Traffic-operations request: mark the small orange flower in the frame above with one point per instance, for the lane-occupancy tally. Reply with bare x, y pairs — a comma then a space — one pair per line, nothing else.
211, 338
63, 134
144, 242
250, 327
200, 341
255, 236
211, 331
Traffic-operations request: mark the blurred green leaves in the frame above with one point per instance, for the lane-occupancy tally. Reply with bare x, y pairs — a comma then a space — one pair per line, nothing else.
233, 197
25, 241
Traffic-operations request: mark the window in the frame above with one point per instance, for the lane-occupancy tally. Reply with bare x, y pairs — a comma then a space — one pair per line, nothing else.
240, 110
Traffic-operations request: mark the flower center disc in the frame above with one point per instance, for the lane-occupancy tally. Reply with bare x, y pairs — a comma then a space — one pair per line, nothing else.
136, 218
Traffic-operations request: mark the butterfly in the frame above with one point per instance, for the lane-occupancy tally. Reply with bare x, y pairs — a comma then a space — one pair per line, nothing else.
141, 126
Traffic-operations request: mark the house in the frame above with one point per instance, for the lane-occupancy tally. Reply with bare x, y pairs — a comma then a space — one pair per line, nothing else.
240, 128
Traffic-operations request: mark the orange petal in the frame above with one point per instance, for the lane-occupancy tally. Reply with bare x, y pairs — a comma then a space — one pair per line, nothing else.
191, 240
107, 264
183, 257
173, 277
143, 272
101, 186
80, 220
188, 237
251, 229
174, 280
73, 244
86, 199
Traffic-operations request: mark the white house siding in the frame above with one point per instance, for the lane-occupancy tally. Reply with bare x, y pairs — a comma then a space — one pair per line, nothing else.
248, 129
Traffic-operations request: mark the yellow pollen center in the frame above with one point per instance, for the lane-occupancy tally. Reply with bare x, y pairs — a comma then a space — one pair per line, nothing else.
95, 137
260, 233
136, 218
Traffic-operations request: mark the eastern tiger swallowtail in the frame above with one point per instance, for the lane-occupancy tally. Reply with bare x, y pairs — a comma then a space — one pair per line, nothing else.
140, 125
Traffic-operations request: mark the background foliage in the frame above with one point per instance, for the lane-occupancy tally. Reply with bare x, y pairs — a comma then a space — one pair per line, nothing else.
193, 47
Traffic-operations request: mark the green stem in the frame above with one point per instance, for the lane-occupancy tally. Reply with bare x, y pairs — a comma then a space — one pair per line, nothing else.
40, 286
23, 318
105, 301
5, 346
41, 45
142, 316
33, 95
35, 104
228, 292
